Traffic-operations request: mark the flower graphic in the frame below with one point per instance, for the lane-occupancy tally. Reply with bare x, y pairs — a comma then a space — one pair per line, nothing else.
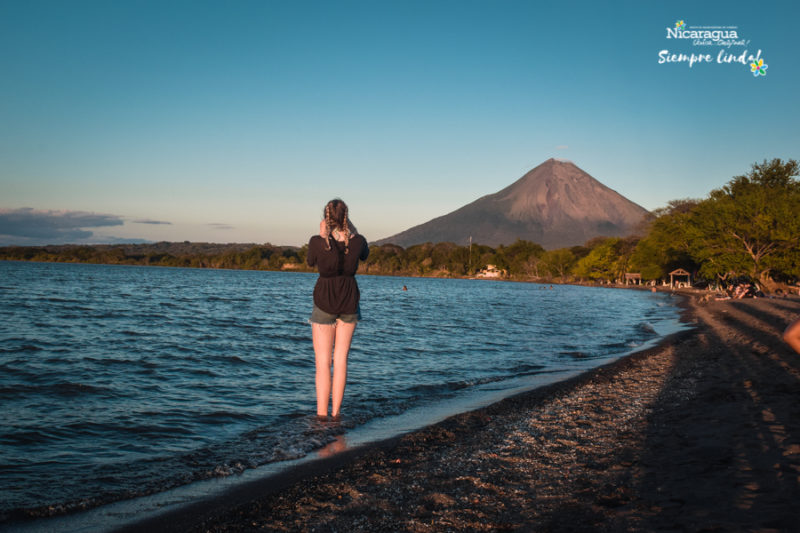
758, 68
680, 25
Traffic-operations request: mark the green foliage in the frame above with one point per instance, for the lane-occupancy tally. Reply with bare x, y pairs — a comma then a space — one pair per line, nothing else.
198, 255
448, 259
666, 245
523, 258
558, 263
384, 259
751, 226
649, 260
607, 261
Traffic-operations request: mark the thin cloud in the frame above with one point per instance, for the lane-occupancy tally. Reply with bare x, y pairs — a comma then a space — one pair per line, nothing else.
154, 222
29, 226
562, 147
221, 226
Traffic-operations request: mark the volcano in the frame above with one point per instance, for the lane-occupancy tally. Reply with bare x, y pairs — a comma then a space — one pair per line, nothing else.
556, 205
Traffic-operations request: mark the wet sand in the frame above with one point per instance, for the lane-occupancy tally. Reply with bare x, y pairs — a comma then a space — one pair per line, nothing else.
701, 433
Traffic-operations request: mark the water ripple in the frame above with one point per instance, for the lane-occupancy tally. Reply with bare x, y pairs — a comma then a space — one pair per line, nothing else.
117, 381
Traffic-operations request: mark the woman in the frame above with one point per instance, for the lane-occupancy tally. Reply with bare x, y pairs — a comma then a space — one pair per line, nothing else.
336, 252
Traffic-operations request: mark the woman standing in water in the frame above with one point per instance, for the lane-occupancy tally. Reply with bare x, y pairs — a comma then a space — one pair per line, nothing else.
336, 252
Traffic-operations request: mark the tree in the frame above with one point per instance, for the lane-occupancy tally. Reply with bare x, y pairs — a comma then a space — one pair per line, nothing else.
522, 257
667, 242
558, 262
648, 259
750, 226
600, 263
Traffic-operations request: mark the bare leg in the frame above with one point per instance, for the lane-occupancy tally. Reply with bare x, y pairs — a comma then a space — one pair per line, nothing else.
341, 347
323, 336
792, 335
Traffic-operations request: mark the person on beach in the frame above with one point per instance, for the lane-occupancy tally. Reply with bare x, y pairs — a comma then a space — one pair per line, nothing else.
792, 335
336, 252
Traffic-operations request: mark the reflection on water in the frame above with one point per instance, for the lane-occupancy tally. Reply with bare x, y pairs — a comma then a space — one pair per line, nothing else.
338, 445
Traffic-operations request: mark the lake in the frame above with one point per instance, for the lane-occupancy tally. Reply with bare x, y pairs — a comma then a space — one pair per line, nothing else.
121, 381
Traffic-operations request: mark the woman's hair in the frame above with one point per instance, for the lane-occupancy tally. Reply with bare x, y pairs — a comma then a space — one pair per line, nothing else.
336, 218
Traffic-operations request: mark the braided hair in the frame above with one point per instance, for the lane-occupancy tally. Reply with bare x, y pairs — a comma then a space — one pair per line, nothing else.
336, 218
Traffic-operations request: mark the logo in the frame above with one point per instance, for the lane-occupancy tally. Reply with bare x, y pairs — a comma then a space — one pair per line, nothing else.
759, 68
701, 38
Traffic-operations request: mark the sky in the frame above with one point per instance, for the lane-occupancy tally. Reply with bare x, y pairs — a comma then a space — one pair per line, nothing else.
236, 121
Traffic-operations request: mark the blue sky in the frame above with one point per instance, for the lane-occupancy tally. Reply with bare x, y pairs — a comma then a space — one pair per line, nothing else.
237, 121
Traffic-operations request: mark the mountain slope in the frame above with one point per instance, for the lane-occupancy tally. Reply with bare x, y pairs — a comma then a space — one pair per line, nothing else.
556, 205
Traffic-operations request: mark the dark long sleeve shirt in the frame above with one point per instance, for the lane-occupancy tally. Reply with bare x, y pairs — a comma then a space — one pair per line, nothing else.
336, 291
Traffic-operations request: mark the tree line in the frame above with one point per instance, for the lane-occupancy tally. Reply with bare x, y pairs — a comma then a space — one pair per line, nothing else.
166, 254
747, 229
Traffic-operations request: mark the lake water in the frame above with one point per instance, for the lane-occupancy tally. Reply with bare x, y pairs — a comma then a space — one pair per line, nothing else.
118, 381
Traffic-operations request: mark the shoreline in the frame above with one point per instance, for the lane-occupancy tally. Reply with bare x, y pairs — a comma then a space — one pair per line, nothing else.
700, 431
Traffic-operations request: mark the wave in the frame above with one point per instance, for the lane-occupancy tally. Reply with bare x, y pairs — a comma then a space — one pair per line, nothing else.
23, 348
36, 436
203, 372
114, 361
153, 431
53, 299
72, 389
132, 333
65, 389
613, 347
526, 369
436, 389
228, 299
575, 354
235, 359
646, 328
223, 416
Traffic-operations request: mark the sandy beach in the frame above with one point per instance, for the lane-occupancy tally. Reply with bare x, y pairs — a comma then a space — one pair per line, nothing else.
701, 433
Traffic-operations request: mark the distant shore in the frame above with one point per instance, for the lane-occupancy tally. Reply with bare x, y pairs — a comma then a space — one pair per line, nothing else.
700, 432
297, 267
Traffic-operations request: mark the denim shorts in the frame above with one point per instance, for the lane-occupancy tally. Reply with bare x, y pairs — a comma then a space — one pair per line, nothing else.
318, 316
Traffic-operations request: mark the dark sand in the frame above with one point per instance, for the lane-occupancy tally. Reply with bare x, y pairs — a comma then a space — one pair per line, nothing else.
701, 433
